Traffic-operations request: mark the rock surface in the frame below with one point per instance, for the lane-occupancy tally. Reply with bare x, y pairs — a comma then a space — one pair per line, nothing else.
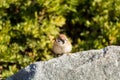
103, 64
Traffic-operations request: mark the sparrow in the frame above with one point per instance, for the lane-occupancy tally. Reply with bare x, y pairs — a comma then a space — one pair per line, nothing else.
61, 45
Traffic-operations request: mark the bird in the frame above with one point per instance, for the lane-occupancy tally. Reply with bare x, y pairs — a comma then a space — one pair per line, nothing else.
61, 45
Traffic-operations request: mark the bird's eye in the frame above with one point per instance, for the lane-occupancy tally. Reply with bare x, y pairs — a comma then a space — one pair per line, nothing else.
58, 40
61, 41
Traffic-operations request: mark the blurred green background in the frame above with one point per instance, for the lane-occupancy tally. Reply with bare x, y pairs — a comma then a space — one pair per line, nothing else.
27, 28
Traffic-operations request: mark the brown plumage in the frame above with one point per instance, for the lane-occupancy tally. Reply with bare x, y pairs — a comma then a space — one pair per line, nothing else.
62, 45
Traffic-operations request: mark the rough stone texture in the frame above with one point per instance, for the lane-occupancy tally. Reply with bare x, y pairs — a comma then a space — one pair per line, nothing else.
103, 64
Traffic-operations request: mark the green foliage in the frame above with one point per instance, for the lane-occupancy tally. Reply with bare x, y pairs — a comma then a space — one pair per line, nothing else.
94, 24
27, 28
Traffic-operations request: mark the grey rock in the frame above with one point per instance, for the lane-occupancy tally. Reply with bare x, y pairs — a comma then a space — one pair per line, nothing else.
103, 64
